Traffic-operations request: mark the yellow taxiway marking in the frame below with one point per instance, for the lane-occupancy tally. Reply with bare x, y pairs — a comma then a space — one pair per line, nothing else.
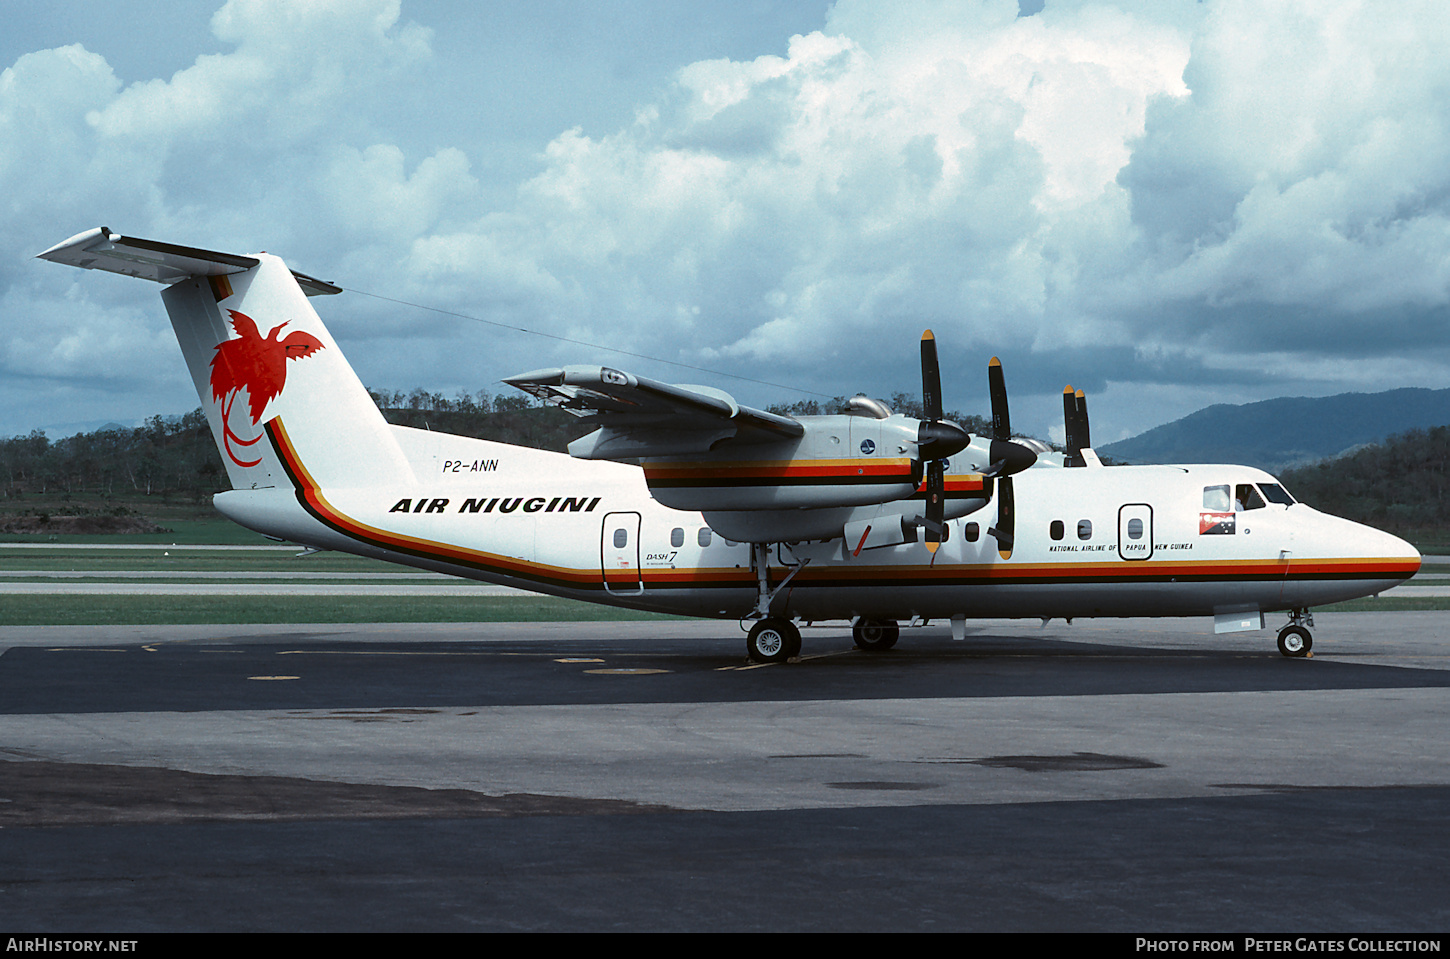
389, 652
84, 649
274, 677
626, 671
798, 659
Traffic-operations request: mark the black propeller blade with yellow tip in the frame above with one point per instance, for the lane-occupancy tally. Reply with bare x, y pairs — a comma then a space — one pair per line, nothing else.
936, 440
1007, 458
1075, 425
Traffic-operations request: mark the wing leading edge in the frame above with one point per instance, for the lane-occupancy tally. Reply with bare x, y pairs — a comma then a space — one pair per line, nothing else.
641, 417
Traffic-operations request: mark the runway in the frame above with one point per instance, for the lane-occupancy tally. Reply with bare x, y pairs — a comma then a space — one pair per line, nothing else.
1116, 775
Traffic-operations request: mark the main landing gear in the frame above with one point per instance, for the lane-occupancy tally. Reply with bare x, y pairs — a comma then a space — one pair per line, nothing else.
1294, 639
773, 640
875, 635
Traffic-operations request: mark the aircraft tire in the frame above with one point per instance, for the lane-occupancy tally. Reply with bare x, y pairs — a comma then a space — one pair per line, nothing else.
1295, 641
876, 635
772, 641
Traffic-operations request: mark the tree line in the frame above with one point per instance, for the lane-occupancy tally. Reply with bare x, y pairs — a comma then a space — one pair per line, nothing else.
176, 456
1399, 485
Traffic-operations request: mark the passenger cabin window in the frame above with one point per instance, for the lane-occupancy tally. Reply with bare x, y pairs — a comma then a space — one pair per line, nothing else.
621, 538
1084, 529
703, 537
677, 537
1135, 528
1275, 493
1246, 497
1056, 530
973, 532
1216, 499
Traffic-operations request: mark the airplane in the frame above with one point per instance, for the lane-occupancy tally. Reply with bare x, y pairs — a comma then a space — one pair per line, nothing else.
684, 501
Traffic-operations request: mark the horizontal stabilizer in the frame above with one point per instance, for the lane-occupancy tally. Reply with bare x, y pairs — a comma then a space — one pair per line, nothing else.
100, 249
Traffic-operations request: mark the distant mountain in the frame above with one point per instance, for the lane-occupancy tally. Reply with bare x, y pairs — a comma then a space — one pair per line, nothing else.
1291, 431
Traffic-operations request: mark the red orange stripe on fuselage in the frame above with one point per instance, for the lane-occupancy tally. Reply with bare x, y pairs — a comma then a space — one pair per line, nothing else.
313, 500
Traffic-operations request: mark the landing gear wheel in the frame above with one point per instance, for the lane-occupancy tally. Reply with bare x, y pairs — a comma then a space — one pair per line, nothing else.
773, 641
1295, 641
876, 635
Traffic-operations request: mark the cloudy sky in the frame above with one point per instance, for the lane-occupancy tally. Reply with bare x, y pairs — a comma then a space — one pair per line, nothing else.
1169, 203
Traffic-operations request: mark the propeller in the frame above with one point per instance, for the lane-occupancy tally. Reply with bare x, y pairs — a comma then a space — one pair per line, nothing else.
1075, 424
936, 440
1007, 458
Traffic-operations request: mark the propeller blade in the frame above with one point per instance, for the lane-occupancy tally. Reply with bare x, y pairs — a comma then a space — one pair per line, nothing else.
1075, 424
997, 386
1006, 518
930, 378
1014, 458
935, 503
1084, 434
1071, 441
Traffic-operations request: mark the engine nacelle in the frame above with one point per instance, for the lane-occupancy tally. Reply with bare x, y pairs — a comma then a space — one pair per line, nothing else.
840, 461
864, 527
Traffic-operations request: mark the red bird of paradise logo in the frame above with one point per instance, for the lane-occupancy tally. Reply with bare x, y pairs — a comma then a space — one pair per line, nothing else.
256, 365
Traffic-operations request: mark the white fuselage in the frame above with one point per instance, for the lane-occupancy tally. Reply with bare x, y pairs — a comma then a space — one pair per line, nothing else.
1134, 541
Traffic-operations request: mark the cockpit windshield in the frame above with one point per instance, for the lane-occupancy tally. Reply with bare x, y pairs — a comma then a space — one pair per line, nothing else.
1246, 497
1275, 493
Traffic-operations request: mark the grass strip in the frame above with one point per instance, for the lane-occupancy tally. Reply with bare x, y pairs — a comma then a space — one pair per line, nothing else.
1387, 604
214, 610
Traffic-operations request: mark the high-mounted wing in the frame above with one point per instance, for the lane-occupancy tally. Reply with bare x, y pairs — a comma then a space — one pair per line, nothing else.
640, 417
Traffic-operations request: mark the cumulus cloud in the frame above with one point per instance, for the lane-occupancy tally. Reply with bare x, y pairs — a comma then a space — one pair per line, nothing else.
1207, 182
1155, 199
936, 164
243, 150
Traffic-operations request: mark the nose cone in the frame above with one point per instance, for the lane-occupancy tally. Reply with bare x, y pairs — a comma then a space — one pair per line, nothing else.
1381, 554
1334, 559
1407, 558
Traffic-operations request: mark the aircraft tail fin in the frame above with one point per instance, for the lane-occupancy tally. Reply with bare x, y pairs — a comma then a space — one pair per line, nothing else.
284, 405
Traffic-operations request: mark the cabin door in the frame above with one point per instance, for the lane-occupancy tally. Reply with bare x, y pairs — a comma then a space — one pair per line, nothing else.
1135, 531
619, 554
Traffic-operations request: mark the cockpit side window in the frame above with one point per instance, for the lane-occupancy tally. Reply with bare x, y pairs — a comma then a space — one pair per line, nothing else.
1247, 497
1216, 499
1275, 493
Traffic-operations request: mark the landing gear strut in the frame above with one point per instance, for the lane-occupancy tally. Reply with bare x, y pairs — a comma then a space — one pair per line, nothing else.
1294, 639
773, 639
875, 635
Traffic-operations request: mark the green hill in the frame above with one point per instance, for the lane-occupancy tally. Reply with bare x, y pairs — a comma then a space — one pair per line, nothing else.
1286, 432
1399, 485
